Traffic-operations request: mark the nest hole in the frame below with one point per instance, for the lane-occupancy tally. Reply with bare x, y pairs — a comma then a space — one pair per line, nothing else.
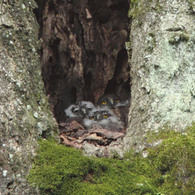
83, 52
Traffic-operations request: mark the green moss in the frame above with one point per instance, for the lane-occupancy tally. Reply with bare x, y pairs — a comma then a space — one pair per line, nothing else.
136, 10
139, 7
174, 159
168, 169
178, 37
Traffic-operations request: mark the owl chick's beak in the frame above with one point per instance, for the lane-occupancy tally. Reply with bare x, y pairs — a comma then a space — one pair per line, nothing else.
112, 101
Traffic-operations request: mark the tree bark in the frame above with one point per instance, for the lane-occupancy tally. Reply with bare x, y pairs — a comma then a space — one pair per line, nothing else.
83, 57
25, 115
162, 67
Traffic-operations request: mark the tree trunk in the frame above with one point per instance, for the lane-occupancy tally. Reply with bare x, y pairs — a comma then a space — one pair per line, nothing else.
162, 67
25, 115
83, 57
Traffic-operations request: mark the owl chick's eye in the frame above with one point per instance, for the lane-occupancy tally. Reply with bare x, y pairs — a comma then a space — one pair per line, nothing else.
92, 118
117, 100
105, 116
75, 110
104, 102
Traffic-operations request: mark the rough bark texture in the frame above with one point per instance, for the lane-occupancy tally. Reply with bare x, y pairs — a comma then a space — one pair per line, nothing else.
24, 111
83, 57
162, 67
83, 53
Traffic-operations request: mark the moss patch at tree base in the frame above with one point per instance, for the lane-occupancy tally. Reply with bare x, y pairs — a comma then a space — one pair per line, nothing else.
167, 169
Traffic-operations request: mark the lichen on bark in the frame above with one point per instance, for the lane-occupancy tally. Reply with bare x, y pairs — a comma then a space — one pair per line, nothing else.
162, 67
24, 109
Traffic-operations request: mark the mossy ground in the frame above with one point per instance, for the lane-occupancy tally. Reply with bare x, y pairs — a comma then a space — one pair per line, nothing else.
168, 169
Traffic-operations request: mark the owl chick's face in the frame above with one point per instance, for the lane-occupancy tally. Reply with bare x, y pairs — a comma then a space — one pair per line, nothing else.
99, 115
105, 114
85, 107
94, 115
73, 111
108, 101
81, 109
76, 110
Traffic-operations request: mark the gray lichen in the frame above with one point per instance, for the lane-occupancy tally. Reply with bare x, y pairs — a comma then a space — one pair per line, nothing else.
24, 109
162, 67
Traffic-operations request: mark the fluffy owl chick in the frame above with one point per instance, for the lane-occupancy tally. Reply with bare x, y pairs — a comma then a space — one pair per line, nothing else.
105, 118
86, 104
86, 107
109, 101
80, 109
110, 121
100, 114
88, 123
92, 118
73, 111
76, 113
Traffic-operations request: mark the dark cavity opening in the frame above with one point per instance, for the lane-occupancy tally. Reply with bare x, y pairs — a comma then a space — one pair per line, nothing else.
83, 54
